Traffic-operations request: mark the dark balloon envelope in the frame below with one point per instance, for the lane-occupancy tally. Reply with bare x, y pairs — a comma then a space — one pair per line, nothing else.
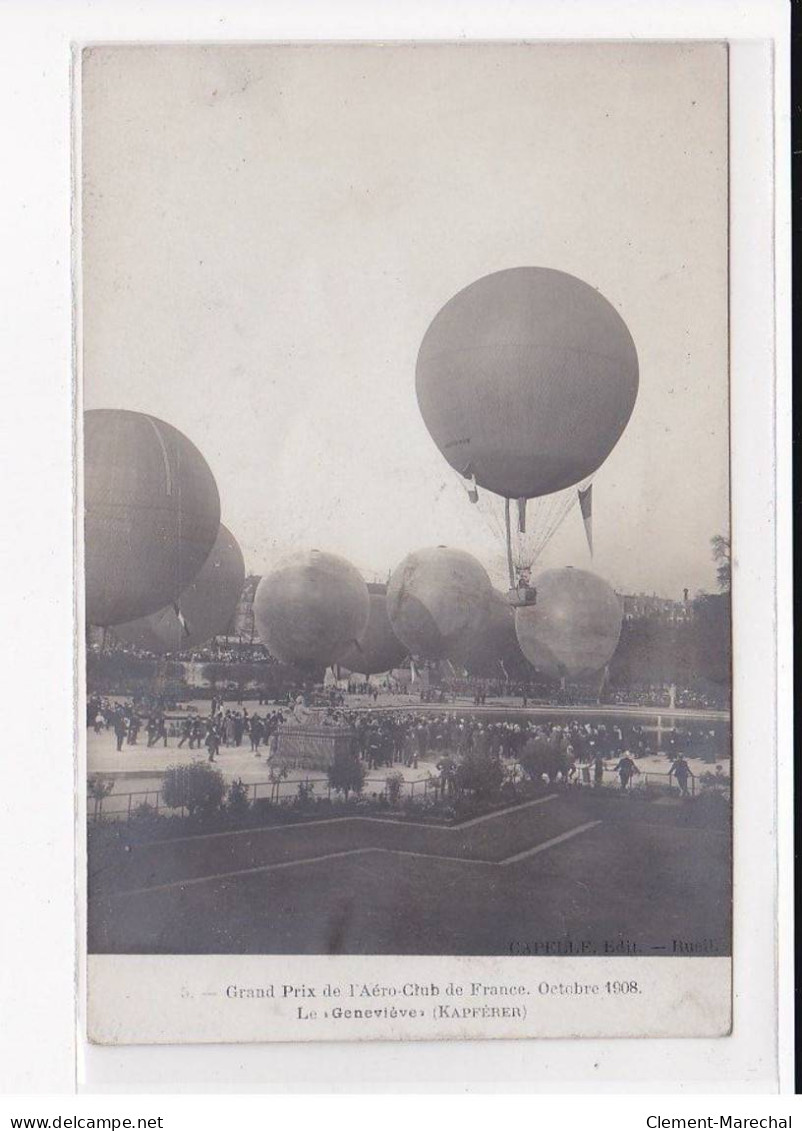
526, 380
311, 609
206, 605
574, 628
492, 650
152, 513
437, 599
379, 649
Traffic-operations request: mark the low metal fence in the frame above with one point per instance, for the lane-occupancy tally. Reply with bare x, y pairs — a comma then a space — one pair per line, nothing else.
125, 805
646, 779
130, 804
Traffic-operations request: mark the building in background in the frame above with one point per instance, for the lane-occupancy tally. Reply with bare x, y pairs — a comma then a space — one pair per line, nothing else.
649, 606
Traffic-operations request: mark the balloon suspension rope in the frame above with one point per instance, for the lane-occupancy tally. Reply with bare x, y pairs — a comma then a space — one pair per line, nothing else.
509, 542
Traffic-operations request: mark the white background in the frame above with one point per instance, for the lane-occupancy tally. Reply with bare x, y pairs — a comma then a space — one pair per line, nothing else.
38, 1049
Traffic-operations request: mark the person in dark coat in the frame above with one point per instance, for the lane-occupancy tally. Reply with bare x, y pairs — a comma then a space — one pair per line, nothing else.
682, 772
626, 770
257, 731
120, 729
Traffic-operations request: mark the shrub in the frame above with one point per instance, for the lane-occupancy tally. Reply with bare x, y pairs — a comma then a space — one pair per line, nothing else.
541, 762
712, 807
536, 759
481, 775
238, 801
144, 811
196, 787
263, 808
346, 773
305, 791
466, 807
394, 784
718, 782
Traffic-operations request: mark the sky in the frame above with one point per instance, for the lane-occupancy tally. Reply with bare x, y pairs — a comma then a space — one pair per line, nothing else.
269, 230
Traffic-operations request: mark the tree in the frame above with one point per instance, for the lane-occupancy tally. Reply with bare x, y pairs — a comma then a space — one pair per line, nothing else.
346, 773
276, 775
711, 637
196, 787
646, 653
119, 672
723, 558
241, 674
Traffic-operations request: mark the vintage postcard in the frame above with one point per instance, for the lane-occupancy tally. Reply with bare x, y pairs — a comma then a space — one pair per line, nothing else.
404, 492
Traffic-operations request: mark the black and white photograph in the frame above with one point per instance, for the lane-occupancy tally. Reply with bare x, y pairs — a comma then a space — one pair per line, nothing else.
404, 473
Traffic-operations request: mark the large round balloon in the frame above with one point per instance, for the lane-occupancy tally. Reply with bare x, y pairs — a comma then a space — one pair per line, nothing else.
492, 649
203, 610
574, 627
379, 649
311, 609
437, 600
152, 513
526, 379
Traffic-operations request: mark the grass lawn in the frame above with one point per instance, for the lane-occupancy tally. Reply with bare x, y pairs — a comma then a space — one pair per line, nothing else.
604, 872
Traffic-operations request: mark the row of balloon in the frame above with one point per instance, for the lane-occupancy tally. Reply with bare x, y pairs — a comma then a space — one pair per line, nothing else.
315, 610
525, 379
439, 606
165, 575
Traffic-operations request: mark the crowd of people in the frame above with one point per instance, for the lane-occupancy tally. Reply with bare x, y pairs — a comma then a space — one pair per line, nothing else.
439, 684
228, 652
220, 727
669, 696
575, 751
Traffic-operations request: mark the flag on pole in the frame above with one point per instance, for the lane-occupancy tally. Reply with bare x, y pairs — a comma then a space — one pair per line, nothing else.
413, 673
586, 506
